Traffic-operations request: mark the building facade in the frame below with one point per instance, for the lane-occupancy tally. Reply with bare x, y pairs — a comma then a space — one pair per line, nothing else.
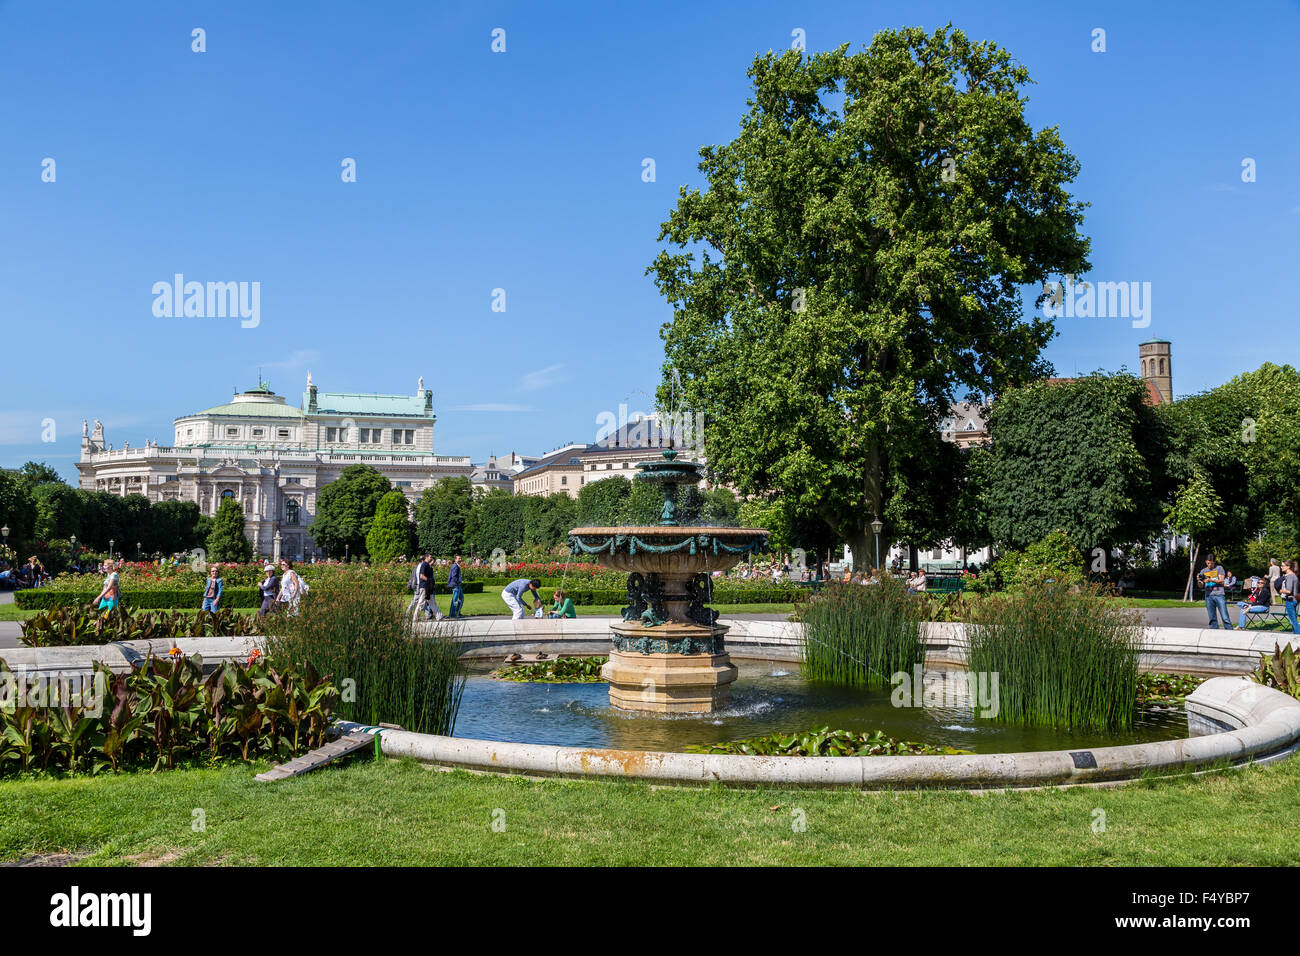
274, 458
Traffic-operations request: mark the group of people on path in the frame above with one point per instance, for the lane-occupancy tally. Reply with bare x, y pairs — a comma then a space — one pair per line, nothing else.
1281, 585
423, 583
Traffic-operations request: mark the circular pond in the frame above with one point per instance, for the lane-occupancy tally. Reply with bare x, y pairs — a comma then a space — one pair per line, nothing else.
766, 698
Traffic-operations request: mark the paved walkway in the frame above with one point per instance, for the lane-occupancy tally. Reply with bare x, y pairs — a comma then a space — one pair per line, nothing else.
10, 631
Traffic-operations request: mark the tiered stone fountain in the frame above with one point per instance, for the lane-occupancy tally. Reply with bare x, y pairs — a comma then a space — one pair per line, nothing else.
668, 652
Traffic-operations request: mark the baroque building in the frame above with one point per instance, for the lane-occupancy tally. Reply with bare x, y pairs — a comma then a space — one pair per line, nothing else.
274, 458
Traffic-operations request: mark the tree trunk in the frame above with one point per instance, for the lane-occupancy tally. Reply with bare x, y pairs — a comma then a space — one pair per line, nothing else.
860, 541
1191, 569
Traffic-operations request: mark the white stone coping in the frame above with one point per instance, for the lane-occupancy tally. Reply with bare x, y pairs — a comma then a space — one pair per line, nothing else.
1268, 720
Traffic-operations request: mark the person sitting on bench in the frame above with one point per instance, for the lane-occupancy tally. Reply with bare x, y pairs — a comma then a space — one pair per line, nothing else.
1257, 601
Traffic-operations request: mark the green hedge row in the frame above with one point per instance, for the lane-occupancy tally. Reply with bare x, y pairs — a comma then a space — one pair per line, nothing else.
42, 599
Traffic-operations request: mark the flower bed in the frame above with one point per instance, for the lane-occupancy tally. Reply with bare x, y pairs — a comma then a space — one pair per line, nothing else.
66, 627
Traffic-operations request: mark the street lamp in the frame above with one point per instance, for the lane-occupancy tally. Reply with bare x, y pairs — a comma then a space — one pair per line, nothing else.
876, 527
110, 548
4, 533
72, 540
137, 551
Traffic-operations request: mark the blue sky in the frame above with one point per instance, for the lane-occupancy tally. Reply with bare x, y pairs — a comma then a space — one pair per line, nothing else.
522, 171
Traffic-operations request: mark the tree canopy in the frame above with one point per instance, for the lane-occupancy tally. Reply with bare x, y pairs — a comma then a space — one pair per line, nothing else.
345, 509
855, 261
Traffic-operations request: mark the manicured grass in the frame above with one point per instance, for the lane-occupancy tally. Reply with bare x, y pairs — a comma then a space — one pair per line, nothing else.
384, 812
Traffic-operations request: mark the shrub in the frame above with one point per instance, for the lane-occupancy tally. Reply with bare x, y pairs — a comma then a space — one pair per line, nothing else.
226, 540
386, 672
1053, 558
861, 635
1064, 658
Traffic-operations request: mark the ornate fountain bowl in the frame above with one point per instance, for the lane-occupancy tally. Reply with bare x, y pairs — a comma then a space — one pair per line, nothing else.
668, 651
668, 549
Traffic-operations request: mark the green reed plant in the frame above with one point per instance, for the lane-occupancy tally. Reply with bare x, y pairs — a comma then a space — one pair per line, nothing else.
1064, 657
859, 635
385, 670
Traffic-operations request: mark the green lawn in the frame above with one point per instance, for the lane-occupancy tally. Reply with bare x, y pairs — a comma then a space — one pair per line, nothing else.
400, 813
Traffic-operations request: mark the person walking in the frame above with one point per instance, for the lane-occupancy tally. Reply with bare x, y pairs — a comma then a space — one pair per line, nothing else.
424, 599
1274, 572
291, 587
457, 591
269, 587
1289, 590
110, 596
513, 595
1257, 600
1212, 578
212, 592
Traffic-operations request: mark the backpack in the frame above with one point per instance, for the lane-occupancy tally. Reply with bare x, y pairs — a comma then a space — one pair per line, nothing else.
413, 584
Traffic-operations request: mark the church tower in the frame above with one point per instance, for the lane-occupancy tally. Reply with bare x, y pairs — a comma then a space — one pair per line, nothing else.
1157, 368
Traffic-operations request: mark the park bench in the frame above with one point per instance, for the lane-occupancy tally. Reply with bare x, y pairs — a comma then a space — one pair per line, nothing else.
950, 584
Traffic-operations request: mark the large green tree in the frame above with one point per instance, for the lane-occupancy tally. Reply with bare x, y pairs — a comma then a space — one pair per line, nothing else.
856, 262
1084, 456
548, 519
58, 511
345, 509
441, 514
226, 541
391, 534
497, 521
17, 509
39, 473
601, 503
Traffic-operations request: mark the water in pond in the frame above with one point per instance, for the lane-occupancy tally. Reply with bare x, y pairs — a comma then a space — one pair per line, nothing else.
767, 697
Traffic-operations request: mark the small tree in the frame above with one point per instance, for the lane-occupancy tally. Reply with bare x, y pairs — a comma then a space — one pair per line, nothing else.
1194, 512
346, 507
227, 541
390, 535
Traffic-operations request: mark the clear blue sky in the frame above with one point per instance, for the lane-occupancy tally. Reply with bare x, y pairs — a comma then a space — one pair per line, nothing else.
522, 171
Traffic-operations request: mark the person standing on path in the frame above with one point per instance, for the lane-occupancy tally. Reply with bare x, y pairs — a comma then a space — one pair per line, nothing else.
1212, 577
1274, 572
513, 595
1289, 590
457, 591
212, 592
269, 587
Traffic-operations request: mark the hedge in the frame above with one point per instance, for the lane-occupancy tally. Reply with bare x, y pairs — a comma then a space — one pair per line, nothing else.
604, 596
41, 599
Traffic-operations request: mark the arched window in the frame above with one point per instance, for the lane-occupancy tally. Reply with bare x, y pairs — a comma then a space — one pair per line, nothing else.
291, 512
227, 494
1162, 366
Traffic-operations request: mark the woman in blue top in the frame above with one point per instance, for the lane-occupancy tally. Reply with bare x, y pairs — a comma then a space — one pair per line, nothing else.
212, 592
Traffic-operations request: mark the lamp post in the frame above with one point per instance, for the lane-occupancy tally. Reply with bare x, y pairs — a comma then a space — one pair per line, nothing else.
4, 533
137, 551
876, 527
110, 549
72, 540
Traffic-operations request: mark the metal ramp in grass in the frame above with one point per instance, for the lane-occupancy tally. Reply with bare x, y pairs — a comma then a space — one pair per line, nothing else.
314, 759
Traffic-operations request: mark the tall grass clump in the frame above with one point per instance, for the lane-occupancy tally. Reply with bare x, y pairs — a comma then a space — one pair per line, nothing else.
860, 635
362, 635
1064, 658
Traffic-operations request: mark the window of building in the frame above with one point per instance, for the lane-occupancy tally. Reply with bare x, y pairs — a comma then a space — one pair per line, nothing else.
402, 484
282, 433
331, 434
293, 481
232, 432
257, 433
291, 512
564, 479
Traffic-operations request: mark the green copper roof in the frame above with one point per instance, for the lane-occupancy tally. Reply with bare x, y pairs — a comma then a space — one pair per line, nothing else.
1155, 342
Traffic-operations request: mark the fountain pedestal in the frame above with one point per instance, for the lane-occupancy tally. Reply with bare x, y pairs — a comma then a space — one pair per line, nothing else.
662, 681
